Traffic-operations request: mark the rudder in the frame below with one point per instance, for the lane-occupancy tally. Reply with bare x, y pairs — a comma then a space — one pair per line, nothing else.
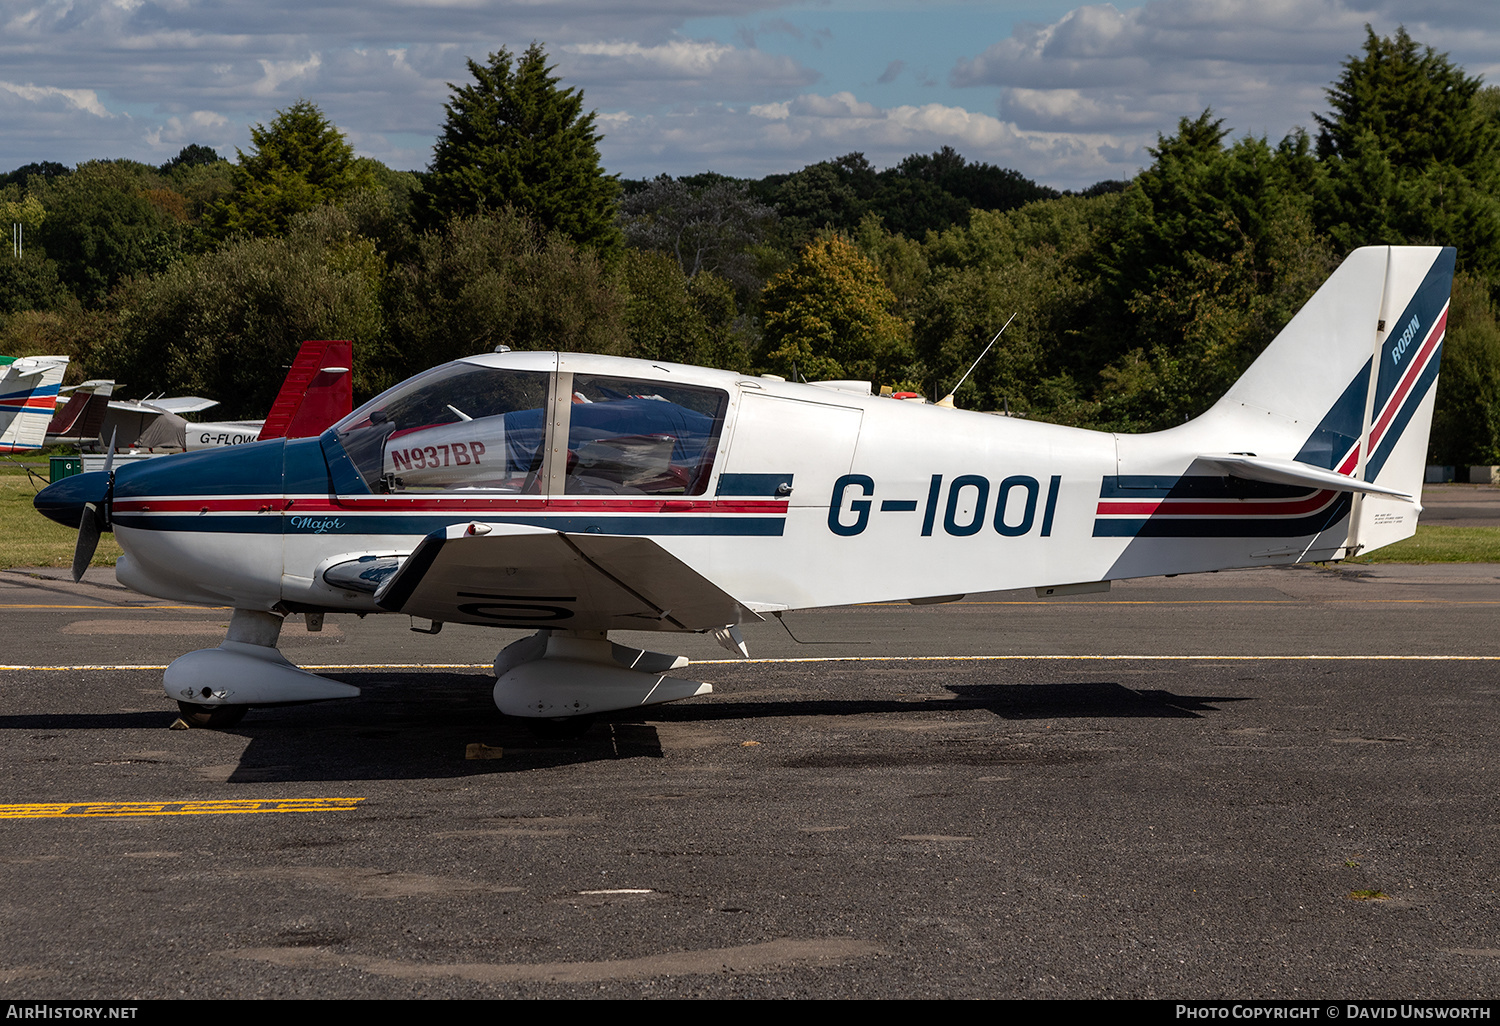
1363, 355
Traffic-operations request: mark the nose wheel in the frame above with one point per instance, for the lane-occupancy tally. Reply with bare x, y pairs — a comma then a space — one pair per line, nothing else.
214, 717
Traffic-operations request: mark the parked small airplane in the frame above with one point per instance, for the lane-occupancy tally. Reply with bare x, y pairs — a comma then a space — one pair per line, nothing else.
577, 495
317, 391
28, 395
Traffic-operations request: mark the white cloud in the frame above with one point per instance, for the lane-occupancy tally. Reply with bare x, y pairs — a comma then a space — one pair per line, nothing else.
680, 58
772, 111
275, 74
839, 105
1263, 65
783, 136
204, 127
629, 72
1066, 102
80, 99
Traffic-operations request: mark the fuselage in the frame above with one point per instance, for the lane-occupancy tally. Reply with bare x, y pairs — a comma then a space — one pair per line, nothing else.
783, 495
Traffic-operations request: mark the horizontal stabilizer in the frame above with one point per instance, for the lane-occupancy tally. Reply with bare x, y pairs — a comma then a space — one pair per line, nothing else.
1293, 472
36, 366
512, 575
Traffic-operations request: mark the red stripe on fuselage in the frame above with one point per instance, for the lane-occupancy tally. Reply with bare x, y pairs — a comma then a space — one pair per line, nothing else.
1218, 508
461, 507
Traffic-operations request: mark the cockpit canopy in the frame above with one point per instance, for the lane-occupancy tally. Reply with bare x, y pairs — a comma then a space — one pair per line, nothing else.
466, 426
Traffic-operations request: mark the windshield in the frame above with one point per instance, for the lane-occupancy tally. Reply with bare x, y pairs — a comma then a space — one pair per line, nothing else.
456, 426
463, 426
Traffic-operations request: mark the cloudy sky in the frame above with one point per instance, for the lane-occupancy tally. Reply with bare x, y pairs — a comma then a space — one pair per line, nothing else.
1066, 94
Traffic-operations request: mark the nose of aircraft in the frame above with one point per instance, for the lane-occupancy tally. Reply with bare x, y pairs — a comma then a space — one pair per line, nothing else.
64, 500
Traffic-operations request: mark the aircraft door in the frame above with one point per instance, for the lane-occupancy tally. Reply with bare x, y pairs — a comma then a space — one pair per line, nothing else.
780, 443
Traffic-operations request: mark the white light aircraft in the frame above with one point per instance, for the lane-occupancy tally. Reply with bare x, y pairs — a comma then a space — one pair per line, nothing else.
317, 392
577, 495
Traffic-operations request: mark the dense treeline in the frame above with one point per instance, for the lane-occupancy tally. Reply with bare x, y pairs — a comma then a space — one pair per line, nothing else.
1137, 302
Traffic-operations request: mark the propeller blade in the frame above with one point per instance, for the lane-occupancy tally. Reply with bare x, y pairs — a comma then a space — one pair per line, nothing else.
95, 517
89, 526
109, 457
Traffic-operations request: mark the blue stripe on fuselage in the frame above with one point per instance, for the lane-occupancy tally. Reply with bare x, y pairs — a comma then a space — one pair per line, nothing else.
1195, 486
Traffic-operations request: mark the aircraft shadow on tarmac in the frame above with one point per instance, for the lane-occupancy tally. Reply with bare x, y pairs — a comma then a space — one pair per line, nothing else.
395, 730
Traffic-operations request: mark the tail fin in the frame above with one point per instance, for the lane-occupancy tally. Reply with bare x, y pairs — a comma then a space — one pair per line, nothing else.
1326, 432
82, 417
318, 391
1362, 356
28, 398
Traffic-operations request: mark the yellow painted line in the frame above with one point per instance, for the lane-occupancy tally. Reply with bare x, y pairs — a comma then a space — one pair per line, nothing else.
1104, 659
1053, 657
132, 609
92, 810
984, 602
309, 666
1203, 602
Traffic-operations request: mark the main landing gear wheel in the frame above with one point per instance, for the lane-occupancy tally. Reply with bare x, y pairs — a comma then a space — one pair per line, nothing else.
214, 717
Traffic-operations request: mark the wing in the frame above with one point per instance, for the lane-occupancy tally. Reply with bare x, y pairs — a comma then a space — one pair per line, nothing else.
184, 404
512, 575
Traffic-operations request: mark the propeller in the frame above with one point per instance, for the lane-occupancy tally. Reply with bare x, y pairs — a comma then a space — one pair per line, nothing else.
95, 519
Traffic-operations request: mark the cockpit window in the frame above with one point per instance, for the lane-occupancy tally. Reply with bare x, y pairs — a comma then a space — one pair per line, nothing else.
466, 427
638, 437
457, 426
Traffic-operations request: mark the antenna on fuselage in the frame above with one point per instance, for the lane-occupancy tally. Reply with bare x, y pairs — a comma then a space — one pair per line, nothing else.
947, 400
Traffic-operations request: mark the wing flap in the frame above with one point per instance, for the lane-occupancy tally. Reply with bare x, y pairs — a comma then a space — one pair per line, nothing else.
511, 575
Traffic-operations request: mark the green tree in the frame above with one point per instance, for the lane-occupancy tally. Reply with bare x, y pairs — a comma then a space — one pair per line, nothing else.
47, 170
934, 192
497, 279
102, 226
712, 227
1412, 152
1034, 262
29, 283
192, 155
671, 317
1466, 420
513, 138
831, 194
1213, 250
226, 324
902, 261
17, 208
830, 315
1417, 102
300, 161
